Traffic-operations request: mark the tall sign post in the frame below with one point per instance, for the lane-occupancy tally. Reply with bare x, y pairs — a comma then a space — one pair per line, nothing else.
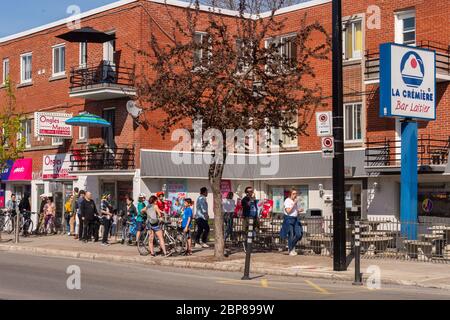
339, 241
408, 91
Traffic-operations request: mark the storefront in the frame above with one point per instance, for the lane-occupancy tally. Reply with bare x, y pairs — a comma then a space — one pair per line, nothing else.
16, 179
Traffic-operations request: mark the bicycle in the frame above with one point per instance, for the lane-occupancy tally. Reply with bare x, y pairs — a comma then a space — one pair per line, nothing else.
49, 227
174, 239
129, 231
27, 225
8, 223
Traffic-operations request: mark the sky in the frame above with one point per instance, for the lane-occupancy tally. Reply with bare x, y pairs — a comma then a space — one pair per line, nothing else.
21, 15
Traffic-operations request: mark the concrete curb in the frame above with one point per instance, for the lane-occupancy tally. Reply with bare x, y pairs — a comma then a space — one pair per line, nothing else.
202, 265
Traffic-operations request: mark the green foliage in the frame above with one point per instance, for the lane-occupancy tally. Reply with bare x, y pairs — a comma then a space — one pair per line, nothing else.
11, 147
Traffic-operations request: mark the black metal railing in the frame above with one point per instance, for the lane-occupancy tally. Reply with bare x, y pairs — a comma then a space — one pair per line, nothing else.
387, 152
372, 59
103, 74
102, 159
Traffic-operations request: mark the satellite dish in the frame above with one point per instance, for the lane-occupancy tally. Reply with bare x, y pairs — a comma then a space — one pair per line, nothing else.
133, 109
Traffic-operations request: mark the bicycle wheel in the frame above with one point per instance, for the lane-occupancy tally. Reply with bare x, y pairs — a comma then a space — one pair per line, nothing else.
180, 243
142, 244
30, 227
9, 225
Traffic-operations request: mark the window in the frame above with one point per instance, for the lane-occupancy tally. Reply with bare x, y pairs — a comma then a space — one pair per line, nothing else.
405, 28
83, 133
26, 67
202, 56
5, 70
25, 133
353, 40
83, 54
352, 122
59, 60
57, 141
286, 141
286, 48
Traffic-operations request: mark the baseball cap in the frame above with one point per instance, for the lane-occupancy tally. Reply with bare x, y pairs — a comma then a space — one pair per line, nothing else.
142, 195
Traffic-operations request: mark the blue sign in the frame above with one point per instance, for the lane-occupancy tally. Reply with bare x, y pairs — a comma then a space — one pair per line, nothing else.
4, 176
407, 82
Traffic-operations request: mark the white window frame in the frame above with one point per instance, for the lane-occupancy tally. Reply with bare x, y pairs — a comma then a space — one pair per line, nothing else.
353, 105
200, 65
83, 132
277, 134
280, 39
83, 55
26, 132
4, 68
22, 68
57, 141
399, 27
356, 54
54, 49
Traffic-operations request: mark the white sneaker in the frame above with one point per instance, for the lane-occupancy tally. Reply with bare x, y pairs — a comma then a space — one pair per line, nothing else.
204, 245
198, 246
293, 253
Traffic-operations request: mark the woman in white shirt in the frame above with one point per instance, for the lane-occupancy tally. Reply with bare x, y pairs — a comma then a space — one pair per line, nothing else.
228, 207
292, 229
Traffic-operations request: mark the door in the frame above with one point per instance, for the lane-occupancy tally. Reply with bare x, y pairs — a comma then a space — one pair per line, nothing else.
109, 133
109, 66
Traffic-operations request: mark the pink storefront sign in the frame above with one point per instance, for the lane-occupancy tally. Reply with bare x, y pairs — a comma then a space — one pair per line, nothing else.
22, 170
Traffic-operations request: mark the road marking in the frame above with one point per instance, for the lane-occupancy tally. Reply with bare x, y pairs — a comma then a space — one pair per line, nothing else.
315, 286
264, 283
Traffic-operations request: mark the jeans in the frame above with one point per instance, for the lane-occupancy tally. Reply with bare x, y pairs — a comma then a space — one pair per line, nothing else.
228, 220
202, 230
106, 229
292, 229
80, 228
88, 229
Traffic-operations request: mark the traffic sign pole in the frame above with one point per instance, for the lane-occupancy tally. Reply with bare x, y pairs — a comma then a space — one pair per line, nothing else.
339, 241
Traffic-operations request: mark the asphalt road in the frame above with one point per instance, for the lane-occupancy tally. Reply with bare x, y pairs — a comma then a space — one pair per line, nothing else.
35, 277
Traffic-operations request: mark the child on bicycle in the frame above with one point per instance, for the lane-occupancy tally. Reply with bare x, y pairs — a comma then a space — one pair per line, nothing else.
186, 225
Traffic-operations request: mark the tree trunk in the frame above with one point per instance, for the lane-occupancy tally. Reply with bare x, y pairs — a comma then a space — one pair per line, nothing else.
219, 243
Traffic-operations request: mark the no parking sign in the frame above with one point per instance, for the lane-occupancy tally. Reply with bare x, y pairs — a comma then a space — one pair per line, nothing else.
328, 147
324, 124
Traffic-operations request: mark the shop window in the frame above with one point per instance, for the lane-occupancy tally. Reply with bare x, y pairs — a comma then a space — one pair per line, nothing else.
280, 193
353, 40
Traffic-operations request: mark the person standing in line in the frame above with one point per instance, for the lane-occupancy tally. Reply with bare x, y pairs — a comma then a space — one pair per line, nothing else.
201, 218
250, 208
88, 212
128, 218
154, 218
186, 225
106, 216
141, 216
68, 214
161, 203
41, 211
228, 208
73, 213
25, 209
80, 221
50, 214
292, 228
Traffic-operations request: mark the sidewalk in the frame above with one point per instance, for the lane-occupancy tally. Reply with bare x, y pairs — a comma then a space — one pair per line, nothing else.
430, 275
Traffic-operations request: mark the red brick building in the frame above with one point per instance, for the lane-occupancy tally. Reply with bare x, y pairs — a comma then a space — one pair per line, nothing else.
54, 76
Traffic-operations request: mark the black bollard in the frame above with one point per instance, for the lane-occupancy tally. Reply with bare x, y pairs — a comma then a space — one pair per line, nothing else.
249, 250
358, 275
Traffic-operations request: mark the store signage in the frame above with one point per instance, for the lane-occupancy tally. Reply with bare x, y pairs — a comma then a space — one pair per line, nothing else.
225, 188
407, 82
324, 124
52, 124
56, 166
19, 170
328, 147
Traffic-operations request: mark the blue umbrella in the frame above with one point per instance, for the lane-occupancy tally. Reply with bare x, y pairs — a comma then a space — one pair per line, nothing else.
88, 120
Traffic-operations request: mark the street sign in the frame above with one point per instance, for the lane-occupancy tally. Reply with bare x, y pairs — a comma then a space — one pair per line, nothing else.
324, 124
407, 82
328, 147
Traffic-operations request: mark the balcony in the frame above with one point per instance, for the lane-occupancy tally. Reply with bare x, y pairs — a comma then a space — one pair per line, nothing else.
372, 62
102, 159
102, 82
383, 156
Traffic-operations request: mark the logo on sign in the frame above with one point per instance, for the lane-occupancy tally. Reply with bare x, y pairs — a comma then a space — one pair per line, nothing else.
328, 142
427, 205
412, 69
328, 147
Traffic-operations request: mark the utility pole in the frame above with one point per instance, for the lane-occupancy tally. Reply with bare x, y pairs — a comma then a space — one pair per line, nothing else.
339, 245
